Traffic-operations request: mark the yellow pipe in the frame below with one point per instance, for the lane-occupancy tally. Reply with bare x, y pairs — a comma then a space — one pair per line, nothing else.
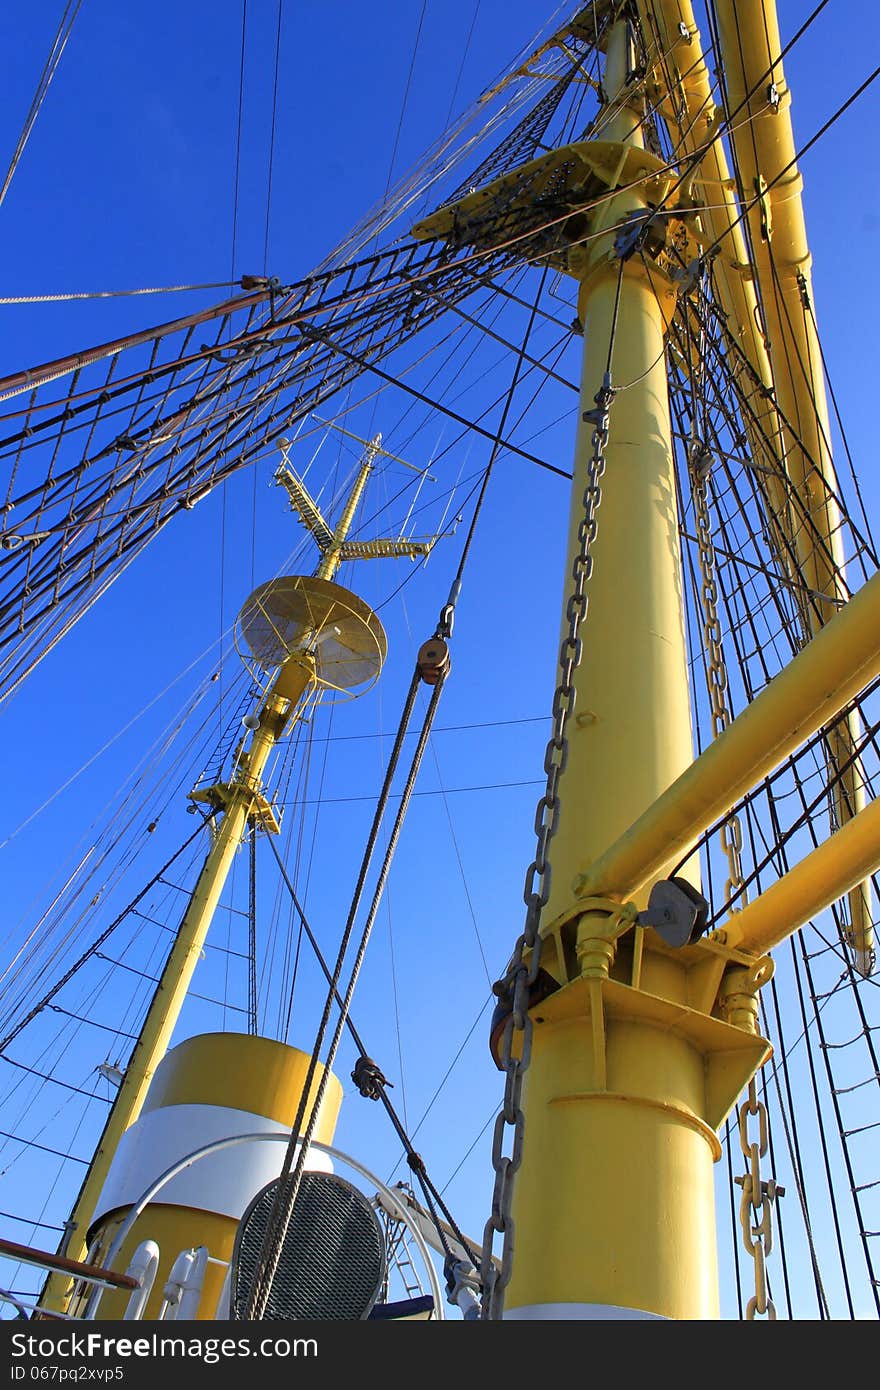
614, 1203
164, 1010
851, 854
830, 671
763, 139
330, 562
240, 800
632, 736
680, 86
614, 1140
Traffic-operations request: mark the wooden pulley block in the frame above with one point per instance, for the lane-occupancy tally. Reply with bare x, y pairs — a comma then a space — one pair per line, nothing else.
433, 660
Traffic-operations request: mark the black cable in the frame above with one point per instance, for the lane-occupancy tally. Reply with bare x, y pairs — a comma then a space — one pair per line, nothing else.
464, 54
28, 1221
793, 496
289, 971
253, 1023
92, 1022
496, 446
56, 1081
792, 1139
488, 332
823, 1047
821, 1126
369, 366
50, 994
839, 418
710, 251
405, 96
272, 136
32, 1144
359, 1044
238, 141
296, 1153
734, 1217
307, 772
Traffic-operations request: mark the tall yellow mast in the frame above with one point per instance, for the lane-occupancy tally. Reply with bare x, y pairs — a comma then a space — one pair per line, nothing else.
310, 633
616, 1104
627, 1049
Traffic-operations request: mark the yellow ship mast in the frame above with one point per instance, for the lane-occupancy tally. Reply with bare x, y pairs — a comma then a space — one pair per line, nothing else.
625, 1033
290, 621
615, 1102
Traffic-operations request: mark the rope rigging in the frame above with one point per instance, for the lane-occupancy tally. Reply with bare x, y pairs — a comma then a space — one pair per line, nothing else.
59, 43
100, 941
432, 667
294, 1161
172, 417
149, 510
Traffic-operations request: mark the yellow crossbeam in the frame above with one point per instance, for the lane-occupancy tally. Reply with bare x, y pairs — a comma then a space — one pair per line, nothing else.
849, 856
821, 680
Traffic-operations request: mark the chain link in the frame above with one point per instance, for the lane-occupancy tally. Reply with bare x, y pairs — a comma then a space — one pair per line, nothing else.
716, 673
521, 974
756, 1204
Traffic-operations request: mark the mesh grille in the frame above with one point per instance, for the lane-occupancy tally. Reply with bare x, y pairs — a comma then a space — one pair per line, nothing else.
333, 1261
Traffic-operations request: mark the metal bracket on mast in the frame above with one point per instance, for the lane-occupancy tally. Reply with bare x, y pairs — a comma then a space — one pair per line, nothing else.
676, 911
221, 793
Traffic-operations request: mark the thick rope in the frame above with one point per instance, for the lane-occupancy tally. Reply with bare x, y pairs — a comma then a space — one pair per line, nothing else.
295, 1158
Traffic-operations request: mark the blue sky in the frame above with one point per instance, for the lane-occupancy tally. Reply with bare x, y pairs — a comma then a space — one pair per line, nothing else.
128, 182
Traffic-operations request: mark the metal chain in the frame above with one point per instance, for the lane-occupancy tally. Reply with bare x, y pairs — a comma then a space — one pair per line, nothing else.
756, 1205
521, 974
755, 1211
716, 672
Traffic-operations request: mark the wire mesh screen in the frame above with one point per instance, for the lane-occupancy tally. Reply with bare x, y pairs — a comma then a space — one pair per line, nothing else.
332, 1263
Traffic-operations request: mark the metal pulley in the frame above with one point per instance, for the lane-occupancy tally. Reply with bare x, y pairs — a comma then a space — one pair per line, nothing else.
544, 985
433, 660
677, 912
368, 1078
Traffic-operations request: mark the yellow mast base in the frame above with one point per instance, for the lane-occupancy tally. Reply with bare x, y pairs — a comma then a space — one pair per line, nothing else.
627, 1086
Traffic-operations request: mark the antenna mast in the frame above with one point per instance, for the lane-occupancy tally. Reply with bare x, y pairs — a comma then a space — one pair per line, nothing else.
306, 634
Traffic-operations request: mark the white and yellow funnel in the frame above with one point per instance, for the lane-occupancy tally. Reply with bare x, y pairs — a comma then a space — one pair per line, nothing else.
210, 1087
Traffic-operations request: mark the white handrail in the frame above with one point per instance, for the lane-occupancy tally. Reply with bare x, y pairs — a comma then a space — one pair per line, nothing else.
215, 1147
142, 1266
183, 1287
